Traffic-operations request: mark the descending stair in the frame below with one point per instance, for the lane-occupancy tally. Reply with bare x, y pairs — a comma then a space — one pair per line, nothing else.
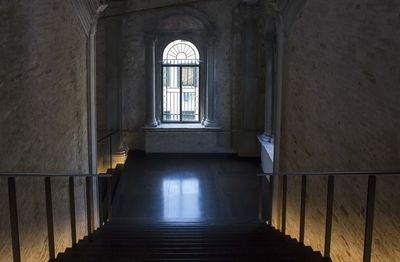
129, 240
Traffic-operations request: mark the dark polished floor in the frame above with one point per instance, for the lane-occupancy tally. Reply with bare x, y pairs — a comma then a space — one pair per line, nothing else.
187, 188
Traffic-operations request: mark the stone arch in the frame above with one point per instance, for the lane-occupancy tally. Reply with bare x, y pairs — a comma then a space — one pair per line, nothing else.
195, 20
197, 29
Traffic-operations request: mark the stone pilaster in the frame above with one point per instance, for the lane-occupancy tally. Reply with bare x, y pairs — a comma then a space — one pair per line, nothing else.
269, 84
88, 12
150, 59
210, 85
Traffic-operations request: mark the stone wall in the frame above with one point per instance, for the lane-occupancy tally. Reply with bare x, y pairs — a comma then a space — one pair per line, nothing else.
101, 85
341, 112
43, 122
385, 246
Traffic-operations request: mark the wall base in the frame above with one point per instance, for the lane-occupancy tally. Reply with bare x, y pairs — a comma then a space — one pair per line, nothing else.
187, 141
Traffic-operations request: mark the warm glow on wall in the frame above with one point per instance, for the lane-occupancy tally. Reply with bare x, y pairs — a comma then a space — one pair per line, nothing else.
119, 158
103, 163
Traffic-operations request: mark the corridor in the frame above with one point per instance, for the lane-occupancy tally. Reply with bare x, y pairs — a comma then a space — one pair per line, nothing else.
187, 188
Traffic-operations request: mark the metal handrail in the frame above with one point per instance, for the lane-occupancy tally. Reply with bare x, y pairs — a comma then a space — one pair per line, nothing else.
333, 173
372, 176
13, 205
34, 174
47, 176
108, 135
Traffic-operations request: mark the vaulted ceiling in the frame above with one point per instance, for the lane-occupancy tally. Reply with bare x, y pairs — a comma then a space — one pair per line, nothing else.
150, 4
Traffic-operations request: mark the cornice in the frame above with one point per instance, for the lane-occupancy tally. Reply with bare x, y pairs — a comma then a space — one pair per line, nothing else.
88, 12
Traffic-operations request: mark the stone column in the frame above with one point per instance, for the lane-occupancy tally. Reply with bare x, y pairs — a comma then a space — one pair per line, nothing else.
210, 85
151, 120
92, 125
88, 11
269, 84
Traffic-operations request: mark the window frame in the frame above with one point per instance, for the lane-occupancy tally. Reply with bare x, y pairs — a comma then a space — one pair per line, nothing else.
198, 40
201, 39
180, 66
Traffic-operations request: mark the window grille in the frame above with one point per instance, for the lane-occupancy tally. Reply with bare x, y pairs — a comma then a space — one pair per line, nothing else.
181, 82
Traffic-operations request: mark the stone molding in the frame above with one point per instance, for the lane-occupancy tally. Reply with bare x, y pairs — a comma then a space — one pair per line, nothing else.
202, 17
88, 12
156, 38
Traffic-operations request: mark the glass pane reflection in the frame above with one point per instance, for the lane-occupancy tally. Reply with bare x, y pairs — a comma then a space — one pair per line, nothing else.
181, 199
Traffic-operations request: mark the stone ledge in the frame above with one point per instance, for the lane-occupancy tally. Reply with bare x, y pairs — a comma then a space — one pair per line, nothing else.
187, 142
268, 144
181, 127
267, 153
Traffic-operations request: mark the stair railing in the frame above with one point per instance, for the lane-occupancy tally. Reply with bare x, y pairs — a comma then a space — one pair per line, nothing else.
13, 209
370, 203
108, 137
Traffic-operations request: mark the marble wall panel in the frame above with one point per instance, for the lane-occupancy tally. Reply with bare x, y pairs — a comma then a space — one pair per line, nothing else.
340, 112
32, 220
80, 207
293, 206
61, 214
43, 119
276, 204
349, 213
5, 229
386, 235
315, 222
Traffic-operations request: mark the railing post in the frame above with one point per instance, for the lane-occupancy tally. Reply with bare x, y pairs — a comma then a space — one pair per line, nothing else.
72, 209
303, 207
284, 203
109, 198
88, 205
369, 223
110, 148
49, 212
100, 189
260, 199
12, 199
271, 199
329, 216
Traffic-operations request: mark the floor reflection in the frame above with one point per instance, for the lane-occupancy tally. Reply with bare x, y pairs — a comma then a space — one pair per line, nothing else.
181, 199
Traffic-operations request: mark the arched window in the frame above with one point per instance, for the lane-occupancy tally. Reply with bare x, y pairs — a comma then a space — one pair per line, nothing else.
180, 95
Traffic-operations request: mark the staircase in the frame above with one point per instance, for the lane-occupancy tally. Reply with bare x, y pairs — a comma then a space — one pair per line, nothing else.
132, 240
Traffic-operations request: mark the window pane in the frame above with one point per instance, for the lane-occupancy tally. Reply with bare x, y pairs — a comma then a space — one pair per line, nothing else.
180, 78
188, 76
181, 52
190, 94
171, 94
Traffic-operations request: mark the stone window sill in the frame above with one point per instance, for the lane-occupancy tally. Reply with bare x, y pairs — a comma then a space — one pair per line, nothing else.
268, 144
181, 127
